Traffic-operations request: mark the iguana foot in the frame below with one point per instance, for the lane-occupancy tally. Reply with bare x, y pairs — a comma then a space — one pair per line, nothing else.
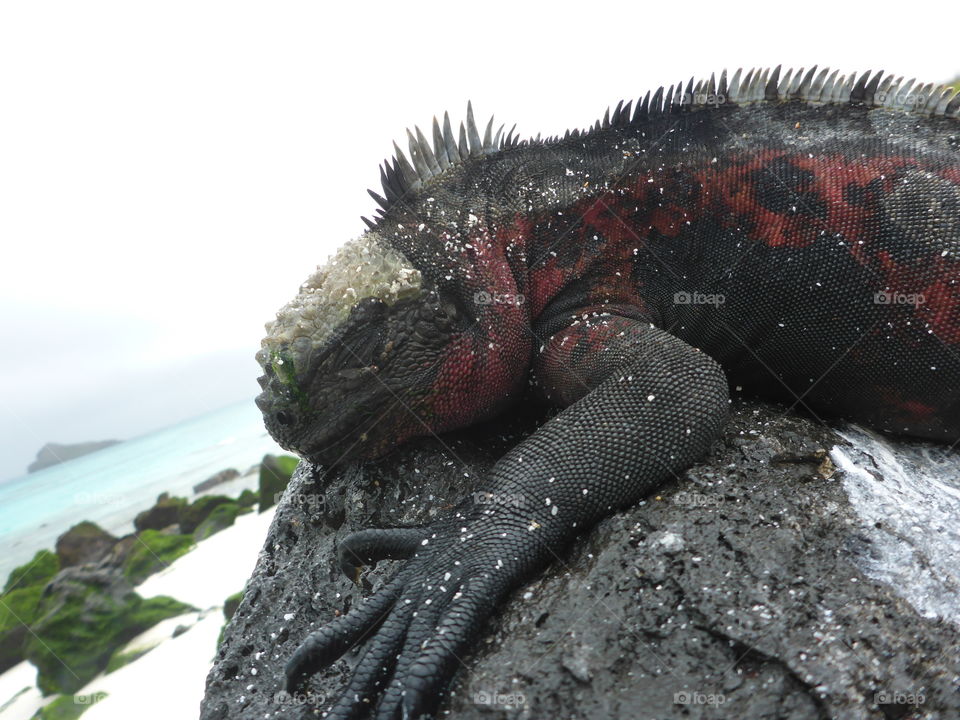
367, 547
422, 622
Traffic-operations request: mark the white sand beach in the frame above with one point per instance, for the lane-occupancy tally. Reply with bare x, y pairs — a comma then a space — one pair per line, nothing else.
167, 682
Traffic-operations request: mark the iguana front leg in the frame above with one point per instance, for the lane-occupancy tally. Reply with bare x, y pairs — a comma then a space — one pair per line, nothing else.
644, 406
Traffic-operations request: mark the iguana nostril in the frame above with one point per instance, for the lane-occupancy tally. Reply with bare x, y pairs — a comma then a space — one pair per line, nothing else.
284, 418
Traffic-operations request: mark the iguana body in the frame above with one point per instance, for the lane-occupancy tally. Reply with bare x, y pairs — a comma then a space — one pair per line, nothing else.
797, 237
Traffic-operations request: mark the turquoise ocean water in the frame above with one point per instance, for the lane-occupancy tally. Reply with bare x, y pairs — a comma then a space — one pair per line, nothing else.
111, 486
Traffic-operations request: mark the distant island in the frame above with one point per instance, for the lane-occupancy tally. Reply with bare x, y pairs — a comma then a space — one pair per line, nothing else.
56, 453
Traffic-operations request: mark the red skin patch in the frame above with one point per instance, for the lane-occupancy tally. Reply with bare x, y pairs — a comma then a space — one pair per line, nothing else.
608, 262
664, 203
580, 356
485, 366
906, 412
735, 193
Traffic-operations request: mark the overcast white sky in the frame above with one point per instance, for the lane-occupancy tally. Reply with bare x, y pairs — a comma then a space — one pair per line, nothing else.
171, 171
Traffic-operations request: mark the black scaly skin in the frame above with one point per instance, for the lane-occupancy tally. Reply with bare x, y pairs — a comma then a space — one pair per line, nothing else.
797, 215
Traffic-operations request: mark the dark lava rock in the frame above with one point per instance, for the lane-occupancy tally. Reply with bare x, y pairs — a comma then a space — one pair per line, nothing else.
218, 479
730, 594
117, 557
85, 542
165, 512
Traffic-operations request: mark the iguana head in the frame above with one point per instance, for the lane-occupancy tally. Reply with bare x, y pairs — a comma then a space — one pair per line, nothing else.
350, 363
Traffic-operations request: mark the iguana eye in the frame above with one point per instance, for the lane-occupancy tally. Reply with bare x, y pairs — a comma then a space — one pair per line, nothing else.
353, 378
361, 348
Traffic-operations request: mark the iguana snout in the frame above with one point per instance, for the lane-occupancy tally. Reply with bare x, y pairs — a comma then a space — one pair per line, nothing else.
349, 363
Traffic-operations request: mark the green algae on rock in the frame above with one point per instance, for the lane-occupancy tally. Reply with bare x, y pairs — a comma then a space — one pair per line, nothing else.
153, 552
275, 472
68, 707
85, 615
222, 517
18, 604
196, 512
39, 571
231, 604
247, 499
122, 658
18, 609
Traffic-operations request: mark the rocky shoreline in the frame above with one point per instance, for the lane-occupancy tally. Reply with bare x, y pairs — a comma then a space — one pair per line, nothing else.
71, 610
734, 592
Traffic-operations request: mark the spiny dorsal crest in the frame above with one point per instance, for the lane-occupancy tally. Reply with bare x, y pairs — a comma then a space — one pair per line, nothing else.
766, 85
400, 176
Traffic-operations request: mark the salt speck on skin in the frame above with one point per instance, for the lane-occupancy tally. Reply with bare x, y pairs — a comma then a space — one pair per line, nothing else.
289, 616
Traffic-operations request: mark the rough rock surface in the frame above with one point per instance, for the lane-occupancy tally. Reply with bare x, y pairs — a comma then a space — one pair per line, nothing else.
732, 593
85, 542
164, 513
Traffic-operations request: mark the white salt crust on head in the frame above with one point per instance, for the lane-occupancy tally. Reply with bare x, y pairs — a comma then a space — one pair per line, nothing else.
365, 267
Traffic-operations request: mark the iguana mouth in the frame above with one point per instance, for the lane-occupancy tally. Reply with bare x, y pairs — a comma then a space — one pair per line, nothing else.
328, 436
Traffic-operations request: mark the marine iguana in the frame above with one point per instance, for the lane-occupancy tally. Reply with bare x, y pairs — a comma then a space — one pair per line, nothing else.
796, 236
